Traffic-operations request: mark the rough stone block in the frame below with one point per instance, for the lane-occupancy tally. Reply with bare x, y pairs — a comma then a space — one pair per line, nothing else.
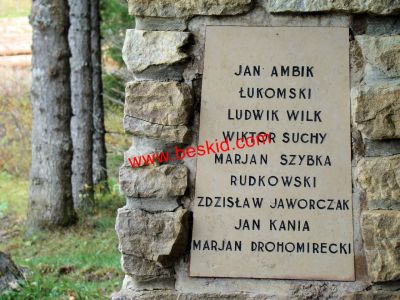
373, 295
144, 270
381, 147
153, 204
130, 283
378, 25
142, 147
381, 234
377, 111
160, 24
126, 294
158, 237
163, 103
155, 53
382, 52
380, 178
163, 181
378, 7
357, 63
169, 134
188, 8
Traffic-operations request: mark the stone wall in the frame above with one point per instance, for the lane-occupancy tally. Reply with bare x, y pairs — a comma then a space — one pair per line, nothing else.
164, 54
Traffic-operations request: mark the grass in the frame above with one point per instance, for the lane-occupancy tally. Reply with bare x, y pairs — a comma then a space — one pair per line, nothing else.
14, 8
13, 195
81, 262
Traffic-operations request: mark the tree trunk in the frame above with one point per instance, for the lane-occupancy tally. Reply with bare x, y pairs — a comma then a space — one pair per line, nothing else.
9, 274
50, 198
82, 104
99, 146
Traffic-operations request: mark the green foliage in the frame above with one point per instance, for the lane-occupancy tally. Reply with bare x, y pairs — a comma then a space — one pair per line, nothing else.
13, 195
111, 198
14, 8
15, 121
114, 87
116, 140
115, 20
79, 263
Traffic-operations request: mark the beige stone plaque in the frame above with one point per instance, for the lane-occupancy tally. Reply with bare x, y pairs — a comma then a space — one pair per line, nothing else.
281, 209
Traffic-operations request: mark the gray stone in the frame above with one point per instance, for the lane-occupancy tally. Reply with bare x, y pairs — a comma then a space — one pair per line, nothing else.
9, 274
160, 24
373, 295
377, 111
143, 270
126, 294
274, 289
381, 234
155, 53
357, 146
381, 147
375, 25
380, 178
142, 147
152, 204
378, 7
314, 291
187, 8
163, 181
164, 103
382, 25
131, 283
357, 64
169, 134
382, 52
157, 237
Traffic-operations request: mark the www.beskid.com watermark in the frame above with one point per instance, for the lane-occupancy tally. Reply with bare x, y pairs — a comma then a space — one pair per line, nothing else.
200, 150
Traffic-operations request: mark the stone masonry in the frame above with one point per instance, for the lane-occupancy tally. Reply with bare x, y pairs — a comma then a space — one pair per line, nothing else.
164, 55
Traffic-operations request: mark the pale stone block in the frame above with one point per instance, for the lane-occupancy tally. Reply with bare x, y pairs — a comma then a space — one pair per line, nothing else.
143, 270
381, 234
382, 52
155, 53
373, 295
160, 24
381, 147
377, 110
165, 103
163, 181
157, 237
167, 133
380, 178
126, 294
188, 8
379, 7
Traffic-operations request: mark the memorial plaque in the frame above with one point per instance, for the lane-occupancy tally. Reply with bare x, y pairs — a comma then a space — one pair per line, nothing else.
278, 207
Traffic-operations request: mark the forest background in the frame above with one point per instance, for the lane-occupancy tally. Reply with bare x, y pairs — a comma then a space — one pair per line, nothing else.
82, 261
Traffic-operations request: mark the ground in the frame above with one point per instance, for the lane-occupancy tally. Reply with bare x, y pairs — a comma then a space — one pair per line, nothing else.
81, 262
